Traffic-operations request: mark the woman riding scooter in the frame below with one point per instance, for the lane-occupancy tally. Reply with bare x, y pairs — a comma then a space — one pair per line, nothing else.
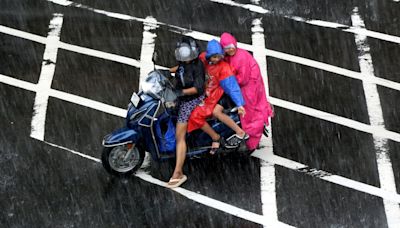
190, 88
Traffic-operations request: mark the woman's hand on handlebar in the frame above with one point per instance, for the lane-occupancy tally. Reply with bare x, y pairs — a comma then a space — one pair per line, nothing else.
173, 69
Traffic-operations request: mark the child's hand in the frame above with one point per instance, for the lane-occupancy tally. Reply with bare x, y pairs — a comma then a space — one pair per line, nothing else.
241, 111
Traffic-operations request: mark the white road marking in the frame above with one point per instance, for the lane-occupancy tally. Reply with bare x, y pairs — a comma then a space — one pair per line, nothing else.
336, 179
62, 2
22, 34
271, 158
146, 61
267, 170
148, 43
46, 77
73, 151
268, 52
207, 37
321, 23
31, 87
65, 96
378, 131
385, 169
301, 60
267, 221
74, 48
374, 130
207, 201
18, 83
99, 106
100, 54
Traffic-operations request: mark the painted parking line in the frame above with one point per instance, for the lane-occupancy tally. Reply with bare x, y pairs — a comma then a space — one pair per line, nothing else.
80, 102
84, 101
374, 130
267, 171
332, 178
72, 151
375, 113
393, 197
207, 201
74, 48
268, 52
100, 54
147, 49
320, 23
75, 99
268, 157
273, 159
46, 77
378, 131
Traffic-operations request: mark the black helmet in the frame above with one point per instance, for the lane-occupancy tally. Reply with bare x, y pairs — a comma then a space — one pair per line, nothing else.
187, 49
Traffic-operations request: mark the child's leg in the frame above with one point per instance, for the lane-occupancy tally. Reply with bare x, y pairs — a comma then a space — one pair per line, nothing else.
216, 138
208, 129
221, 116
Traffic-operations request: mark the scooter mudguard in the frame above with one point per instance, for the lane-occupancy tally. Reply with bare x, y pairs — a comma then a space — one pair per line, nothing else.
121, 136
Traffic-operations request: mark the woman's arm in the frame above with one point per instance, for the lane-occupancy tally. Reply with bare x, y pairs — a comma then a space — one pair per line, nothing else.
174, 69
190, 91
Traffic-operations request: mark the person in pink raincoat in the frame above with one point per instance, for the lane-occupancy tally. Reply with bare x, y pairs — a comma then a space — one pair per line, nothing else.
248, 75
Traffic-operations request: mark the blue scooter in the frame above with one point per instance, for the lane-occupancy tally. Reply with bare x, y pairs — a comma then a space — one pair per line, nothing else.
150, 126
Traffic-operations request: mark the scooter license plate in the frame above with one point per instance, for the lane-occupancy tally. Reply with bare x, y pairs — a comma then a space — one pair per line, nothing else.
135, 99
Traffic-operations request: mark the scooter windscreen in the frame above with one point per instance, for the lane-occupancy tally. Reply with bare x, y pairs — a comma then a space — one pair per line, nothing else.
155, 83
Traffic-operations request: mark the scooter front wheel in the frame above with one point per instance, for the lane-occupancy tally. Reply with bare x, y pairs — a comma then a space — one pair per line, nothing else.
122, 160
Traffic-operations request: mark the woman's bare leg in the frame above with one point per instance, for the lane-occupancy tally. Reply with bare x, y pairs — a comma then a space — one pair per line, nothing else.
181, 148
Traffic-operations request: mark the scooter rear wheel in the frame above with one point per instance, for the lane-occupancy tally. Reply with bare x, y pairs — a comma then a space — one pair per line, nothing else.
117, 161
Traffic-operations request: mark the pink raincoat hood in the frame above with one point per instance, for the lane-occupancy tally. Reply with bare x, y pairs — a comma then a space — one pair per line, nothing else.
226, 39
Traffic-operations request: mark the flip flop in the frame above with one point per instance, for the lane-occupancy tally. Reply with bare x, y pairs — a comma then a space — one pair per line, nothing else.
174, 183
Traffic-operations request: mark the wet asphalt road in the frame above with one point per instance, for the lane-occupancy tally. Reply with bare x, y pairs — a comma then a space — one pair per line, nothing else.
43, 186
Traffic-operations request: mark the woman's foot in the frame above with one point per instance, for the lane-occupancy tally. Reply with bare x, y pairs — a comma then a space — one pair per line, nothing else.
176, 180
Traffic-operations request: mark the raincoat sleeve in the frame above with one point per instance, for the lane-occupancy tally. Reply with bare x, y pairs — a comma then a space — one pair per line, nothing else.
231, 87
